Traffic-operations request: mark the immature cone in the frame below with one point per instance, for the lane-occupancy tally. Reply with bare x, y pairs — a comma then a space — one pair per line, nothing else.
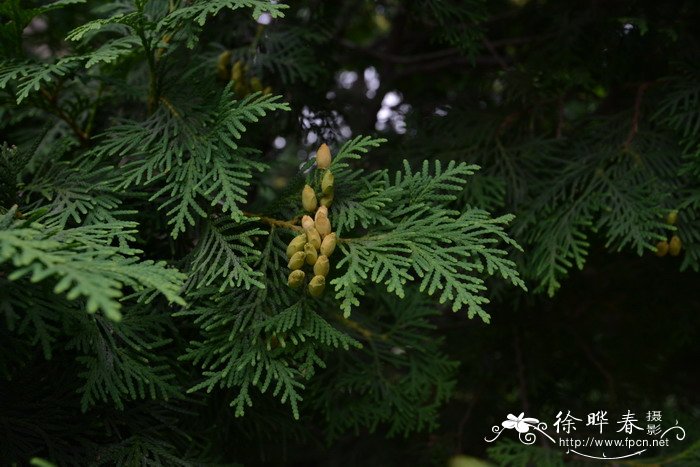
321, 211
327, 183
662, 248
327, 200
297, 260
311, 254
672, 217
308, 199
240, 88
297, 244
323, 225
328, 244
222, 64
237, 71
313, 238
316, 286
296, 278
307, 222
256, 84
675, 245
322, 266
323, 157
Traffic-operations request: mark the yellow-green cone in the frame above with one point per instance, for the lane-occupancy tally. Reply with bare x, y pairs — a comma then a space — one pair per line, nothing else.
323, 225
237, 71
321, 211
222, 64
297, 244
313, 237
297, 260
672, 217
307, 222
323, 157
316, 286
327, 200
256, 84
311, 254
328, 244
662, 248
308, 199
322, 266
327, 183
675, 245
296, 278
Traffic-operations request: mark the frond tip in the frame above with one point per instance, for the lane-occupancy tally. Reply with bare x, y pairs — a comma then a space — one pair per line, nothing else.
414, 236
83, 263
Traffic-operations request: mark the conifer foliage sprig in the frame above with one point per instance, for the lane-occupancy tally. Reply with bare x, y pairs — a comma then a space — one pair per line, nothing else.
83, 263
272, 337
412, 234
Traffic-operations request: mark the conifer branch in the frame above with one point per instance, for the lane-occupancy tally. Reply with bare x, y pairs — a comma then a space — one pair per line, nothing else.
634, 128
54, 108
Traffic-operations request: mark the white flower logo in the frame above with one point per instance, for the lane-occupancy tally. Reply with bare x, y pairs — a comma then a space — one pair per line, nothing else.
520, 423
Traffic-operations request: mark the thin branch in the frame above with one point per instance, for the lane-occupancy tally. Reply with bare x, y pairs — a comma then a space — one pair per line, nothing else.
402, 59
497, 57
290, 224
426, 62
164, 100
151, 60
366, 333
637, 112
60, 113
449, 62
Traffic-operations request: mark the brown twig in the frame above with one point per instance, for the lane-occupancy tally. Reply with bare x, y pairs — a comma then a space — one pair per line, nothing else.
497, 57
169, 106
366, 333
56, 110
508, 120
290, 224
641, 89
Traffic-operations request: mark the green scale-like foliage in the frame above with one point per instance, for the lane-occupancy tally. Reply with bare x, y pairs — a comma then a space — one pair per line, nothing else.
145, 216
186, 170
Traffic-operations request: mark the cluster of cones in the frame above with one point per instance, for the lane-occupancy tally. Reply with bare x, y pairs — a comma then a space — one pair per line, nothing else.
674, 245
239, 74
313, 248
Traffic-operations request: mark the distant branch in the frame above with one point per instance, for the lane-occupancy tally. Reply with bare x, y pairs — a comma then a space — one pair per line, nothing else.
403, 59
637, 112
490, 47
425, 62
53, 107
